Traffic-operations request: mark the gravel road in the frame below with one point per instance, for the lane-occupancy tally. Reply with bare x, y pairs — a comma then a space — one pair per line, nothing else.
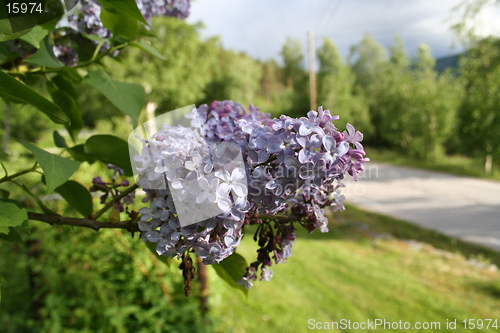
463, 207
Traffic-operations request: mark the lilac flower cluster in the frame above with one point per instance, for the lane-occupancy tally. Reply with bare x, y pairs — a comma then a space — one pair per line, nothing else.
88, 21
171, 8
293, 168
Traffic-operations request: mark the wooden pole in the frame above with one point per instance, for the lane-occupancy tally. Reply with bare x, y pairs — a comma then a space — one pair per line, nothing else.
204, 291
312, 71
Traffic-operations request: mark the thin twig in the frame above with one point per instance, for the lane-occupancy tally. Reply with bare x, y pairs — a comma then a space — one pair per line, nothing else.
130, 225
278, 217
4, 169
115, 200
20, 173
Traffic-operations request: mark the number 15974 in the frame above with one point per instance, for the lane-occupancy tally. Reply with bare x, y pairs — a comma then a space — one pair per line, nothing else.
24, 8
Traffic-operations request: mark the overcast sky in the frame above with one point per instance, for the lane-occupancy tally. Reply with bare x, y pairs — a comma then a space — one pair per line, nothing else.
260, 27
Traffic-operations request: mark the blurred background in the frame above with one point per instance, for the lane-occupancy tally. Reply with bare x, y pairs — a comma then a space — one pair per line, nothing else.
420, 79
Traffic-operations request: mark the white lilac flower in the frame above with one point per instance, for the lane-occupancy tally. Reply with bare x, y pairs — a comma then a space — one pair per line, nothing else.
245, 282
234, 182
208, 190
267, 274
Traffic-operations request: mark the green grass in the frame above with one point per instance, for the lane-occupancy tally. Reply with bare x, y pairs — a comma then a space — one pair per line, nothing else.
357, 272
456, 164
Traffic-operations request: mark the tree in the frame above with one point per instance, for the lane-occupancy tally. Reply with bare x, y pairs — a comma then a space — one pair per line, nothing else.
234, 76
368, 61
435, 101
272, 87
479, 113
417, 107
295, 77
336, 85
394, 99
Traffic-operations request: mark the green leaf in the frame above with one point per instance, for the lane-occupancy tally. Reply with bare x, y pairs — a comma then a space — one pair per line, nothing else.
152, 247
143, 45
24, 227
78, 153
128, 8
6, 32
63, 82
17, 92
72, 74
11, 215
95, 38
3, 155
77, 196
45, 56
10, 234
85, 50
109, 149
4, 194
59, 141
128, 97
56, 169
35, 36
232, 270
18, 233
143, 32
119, 25
71, 108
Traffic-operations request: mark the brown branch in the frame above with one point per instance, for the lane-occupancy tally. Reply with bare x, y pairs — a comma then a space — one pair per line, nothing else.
115, 200
130, 225
278, 217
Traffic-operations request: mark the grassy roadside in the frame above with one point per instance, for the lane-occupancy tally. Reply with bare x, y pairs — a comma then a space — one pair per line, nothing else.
357, 271
458, 165
365, 268
380, 226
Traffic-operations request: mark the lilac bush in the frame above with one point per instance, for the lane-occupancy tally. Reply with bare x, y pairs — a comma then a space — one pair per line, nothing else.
87, 21
292, 170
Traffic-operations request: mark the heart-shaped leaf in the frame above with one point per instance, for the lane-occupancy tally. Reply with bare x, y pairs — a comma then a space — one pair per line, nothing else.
128, 97
45, 56
56, 169
232, 270
11, 215
77, 196
109, 149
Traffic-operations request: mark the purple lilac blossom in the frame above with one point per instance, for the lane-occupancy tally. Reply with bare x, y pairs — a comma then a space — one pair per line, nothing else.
113, 188
293, 167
